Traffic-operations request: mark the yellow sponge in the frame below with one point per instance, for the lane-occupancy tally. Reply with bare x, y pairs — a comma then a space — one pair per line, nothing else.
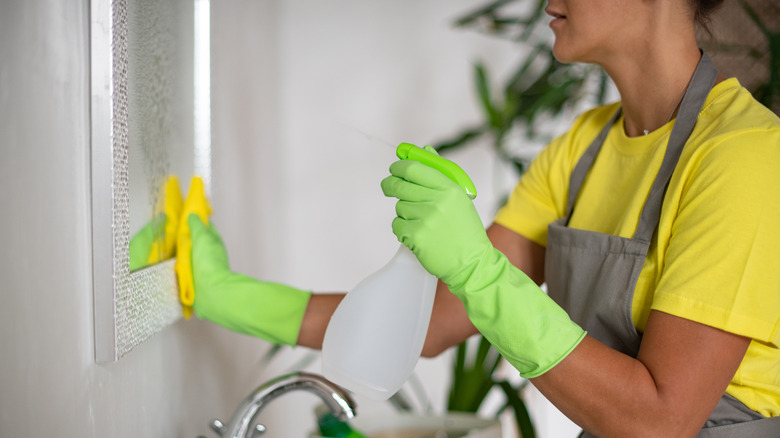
196, 203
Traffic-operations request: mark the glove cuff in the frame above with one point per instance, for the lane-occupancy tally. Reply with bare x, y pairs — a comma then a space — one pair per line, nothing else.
278, 320
270, 311
525, 325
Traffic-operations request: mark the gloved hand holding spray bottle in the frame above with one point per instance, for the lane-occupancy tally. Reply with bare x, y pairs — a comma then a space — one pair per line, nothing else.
376, 334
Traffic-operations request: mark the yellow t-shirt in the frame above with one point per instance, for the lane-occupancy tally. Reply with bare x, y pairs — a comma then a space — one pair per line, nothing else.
716, 256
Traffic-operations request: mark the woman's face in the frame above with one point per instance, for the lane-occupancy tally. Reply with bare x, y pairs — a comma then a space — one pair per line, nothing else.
596, 30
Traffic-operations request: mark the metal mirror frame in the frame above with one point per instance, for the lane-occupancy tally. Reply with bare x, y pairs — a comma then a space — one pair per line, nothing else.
129, 307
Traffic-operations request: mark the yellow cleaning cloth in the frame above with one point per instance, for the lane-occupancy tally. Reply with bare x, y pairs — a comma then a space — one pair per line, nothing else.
196, 203
170, 203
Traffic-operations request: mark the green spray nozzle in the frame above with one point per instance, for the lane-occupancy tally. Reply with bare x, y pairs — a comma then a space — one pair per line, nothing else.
408, 151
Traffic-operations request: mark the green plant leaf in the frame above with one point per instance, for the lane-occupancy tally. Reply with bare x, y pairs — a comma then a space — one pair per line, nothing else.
533, 19
485, 98
519, 166
461, 139
472, 381
513, 85
524, 424
456, 391
601, 95
755, 18
479, 13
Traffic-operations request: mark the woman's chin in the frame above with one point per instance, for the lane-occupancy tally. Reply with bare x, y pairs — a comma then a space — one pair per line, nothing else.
567, 53
561, 54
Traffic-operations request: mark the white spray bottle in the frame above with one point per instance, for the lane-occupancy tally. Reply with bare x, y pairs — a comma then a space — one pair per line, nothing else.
376, 334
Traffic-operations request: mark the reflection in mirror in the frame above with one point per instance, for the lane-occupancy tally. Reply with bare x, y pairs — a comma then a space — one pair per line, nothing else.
150, 135
160, 108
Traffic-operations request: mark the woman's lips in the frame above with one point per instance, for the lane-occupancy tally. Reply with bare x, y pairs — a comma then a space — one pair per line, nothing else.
557, 16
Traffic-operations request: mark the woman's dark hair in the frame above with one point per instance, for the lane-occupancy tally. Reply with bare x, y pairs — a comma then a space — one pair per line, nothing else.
703, 9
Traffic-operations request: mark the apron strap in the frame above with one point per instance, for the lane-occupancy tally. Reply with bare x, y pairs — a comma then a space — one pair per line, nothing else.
584, 164
693, 101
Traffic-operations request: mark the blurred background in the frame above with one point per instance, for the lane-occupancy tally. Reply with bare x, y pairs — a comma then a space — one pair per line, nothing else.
308, 101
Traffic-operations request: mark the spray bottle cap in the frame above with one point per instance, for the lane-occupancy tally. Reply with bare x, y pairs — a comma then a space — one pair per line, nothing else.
408, 151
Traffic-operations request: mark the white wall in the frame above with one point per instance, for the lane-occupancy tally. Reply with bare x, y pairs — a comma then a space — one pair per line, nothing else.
309, 100
171, 385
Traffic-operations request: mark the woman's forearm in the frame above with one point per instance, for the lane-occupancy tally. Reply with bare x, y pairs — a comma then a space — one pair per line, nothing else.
681, 372
316, 318
449, 324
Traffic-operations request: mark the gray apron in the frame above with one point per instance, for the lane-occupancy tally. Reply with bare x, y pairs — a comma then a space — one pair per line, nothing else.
593, 275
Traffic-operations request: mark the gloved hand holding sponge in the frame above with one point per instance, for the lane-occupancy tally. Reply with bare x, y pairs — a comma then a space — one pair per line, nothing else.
270, 311
267, 310
438, 222
156, 241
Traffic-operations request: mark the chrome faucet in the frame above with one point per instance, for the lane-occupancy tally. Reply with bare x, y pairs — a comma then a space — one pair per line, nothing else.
339, 402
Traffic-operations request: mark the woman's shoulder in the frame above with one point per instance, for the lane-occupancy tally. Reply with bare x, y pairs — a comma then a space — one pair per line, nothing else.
736, 139
734, 127
731, 108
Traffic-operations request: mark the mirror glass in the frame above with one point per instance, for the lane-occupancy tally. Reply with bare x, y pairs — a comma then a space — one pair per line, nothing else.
150, 121
160, 110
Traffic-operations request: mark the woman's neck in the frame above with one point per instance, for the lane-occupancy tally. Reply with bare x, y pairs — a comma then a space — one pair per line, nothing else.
652, 82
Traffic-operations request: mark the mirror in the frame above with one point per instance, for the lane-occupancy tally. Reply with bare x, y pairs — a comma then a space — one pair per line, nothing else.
150, 121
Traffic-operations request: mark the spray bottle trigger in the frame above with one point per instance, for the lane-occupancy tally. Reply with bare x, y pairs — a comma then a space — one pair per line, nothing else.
408, 151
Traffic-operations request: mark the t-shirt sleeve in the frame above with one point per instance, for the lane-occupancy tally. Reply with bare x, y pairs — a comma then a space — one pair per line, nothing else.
722, 265
533, 203
540, 196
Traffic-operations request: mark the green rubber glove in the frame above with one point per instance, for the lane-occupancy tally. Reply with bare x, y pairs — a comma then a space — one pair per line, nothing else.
270, 311
438, 222
435, 219
142, 242
156, 241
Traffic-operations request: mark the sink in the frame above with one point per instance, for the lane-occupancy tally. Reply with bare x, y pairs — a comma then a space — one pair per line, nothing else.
403, 425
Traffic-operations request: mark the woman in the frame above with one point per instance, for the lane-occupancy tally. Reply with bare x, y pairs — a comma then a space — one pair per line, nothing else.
657, 241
